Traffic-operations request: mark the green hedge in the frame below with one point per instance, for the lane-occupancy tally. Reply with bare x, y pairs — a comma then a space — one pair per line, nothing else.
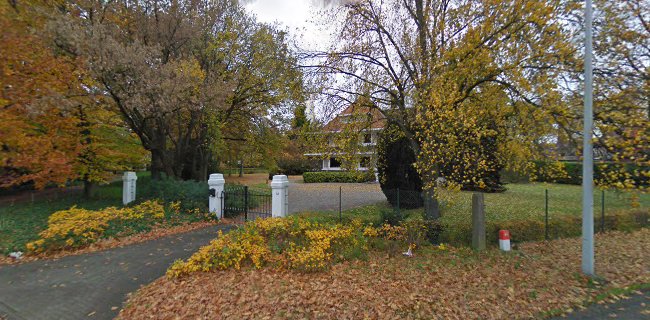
574, 173
534, 230
293, 167
339, 176
192, 194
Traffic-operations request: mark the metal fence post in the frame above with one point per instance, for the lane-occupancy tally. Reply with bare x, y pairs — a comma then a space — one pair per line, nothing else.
245, 203
546, 214
602, 211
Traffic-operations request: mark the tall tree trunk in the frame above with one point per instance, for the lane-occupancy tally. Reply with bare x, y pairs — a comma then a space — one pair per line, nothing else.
89, 189
156, 164
87, 157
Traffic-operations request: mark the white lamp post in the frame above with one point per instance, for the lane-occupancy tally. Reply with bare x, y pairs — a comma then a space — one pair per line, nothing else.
588, 155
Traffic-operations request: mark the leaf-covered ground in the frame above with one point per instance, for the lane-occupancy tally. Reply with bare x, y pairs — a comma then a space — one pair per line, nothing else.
536, 280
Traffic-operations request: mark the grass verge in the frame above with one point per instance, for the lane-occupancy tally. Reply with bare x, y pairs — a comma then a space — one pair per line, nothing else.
22, 223
521, 210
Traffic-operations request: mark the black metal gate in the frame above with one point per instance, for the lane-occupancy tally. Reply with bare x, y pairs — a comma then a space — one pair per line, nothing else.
244, 203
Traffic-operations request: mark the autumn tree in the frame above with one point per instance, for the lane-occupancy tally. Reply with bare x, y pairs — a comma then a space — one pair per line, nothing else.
53, 130
621, 93
429, 64
180, 71
105, 144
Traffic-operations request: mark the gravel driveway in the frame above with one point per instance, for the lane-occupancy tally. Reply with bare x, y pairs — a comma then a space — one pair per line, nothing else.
325, 196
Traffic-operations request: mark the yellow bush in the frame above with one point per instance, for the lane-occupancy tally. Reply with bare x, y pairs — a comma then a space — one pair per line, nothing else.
76, 227
386, 231
292, 243
282, 243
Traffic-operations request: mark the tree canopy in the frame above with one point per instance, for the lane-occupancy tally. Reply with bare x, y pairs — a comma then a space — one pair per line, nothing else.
481, 85
179, 72
53, 129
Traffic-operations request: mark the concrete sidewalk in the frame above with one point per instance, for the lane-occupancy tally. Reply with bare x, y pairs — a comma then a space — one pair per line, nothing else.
94, 285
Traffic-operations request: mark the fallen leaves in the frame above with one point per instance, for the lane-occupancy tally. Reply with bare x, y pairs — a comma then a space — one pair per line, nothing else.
455, 284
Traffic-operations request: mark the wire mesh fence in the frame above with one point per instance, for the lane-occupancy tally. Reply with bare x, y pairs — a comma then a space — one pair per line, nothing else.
530, 211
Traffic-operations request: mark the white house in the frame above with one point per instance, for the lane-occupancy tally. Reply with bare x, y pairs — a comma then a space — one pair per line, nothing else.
374, 123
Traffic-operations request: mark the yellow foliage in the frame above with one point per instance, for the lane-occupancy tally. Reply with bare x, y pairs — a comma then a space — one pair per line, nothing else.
76, 227
175, 207
283, 243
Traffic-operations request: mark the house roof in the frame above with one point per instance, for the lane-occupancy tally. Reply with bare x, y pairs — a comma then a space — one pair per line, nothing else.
377, 119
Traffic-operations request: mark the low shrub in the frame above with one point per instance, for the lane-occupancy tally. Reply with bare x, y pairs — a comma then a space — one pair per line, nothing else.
191, 194
286, 243
339, 176
77, 227
297, 244
620, 175
290, 166
433, 231
391, 217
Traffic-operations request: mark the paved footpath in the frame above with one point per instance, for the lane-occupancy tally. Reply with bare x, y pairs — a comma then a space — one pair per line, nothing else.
636, 307
94, 285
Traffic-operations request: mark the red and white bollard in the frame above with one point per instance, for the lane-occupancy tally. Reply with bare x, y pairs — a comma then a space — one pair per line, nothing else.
504, 240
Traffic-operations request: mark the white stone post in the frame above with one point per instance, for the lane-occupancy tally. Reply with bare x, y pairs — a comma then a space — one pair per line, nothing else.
280, 200
216, 185
128, 187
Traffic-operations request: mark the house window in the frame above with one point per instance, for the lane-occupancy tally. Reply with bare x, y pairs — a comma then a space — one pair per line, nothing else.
365, 162
334, 163
367, 138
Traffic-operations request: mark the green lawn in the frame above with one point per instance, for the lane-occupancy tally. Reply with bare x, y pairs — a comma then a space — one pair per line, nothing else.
526, 202
519, 202
21, 223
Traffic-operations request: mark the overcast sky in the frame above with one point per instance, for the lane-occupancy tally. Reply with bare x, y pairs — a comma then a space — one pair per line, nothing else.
297, 16
301, 18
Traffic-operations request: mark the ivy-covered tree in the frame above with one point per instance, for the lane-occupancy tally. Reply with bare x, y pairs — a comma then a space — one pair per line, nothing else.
396, 168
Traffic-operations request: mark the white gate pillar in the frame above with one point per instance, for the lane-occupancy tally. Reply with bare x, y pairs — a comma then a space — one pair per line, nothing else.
280, 200
128, 187
216, 185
